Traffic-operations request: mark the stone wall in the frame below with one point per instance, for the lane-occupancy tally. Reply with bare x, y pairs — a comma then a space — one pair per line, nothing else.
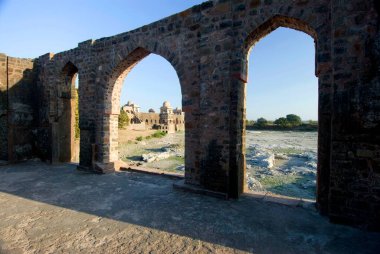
149, 118
18, 108
208, 46
355, 161
3, 108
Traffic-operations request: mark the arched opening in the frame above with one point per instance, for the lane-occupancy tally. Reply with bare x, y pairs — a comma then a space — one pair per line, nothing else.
281, 116
67, 130
146, 145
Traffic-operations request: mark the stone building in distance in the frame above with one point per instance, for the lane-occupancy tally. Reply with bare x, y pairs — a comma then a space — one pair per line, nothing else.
168, 120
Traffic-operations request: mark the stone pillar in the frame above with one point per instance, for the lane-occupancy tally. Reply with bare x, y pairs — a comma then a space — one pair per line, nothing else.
354, 196
87, 117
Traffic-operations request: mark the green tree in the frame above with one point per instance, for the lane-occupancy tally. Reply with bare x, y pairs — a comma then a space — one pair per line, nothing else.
249, 122
294, 120
123, 119
261, 122
282, 122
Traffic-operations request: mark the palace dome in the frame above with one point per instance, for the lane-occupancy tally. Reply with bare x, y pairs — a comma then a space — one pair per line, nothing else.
166, 104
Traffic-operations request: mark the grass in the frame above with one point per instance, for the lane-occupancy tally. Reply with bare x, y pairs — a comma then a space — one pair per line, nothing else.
288, 186
158, 134
178, 159
287, 150
277, 181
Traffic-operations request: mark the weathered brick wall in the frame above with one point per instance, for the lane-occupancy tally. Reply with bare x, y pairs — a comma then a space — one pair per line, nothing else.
355, 157
18, 108
208, 46
3, 108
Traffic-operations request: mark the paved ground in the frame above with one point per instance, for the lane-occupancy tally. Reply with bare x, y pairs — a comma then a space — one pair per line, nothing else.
55, 209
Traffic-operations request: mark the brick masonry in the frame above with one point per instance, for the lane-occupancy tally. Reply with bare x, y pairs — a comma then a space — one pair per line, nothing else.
17, 108
208, 46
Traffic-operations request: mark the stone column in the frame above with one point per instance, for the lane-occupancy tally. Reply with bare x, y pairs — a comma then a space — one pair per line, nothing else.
355, 158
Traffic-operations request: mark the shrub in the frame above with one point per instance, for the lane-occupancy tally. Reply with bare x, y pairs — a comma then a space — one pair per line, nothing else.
123, 119
140, 138
158, 134
261, 122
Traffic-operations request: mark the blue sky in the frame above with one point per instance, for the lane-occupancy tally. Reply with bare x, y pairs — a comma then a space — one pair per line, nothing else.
281, 70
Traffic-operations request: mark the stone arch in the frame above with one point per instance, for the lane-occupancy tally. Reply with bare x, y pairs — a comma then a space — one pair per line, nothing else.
119, 69
272, 24
128, 55
237, 182
63, 126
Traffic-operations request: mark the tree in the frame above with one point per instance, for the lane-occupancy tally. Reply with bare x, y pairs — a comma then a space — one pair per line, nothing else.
282, 122
312, 122
123, 119
249, 122
261, 122
294, 120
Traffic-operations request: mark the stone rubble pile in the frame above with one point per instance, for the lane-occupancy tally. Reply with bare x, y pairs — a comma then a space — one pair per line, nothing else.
166, 153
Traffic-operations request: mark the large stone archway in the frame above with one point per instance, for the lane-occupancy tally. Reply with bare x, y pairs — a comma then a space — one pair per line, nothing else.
322, 60
207, 45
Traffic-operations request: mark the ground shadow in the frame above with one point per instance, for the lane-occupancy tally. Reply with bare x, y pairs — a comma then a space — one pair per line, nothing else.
134, 158
150, 201
156, 150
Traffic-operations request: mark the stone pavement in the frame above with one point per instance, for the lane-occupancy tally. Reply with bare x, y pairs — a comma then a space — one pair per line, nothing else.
56, 209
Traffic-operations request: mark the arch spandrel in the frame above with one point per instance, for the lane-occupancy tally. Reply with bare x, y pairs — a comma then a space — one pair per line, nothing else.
127, 55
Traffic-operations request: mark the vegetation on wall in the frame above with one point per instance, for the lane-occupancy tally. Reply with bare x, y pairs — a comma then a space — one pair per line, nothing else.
77, 130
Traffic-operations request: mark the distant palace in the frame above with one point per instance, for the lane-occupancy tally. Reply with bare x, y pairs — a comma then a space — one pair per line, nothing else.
168, 120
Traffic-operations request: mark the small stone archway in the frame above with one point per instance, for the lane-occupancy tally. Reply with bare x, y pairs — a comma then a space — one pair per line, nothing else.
64, 123
107, 137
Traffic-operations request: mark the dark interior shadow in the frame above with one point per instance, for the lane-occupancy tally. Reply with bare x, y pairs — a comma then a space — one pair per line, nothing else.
150, 201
